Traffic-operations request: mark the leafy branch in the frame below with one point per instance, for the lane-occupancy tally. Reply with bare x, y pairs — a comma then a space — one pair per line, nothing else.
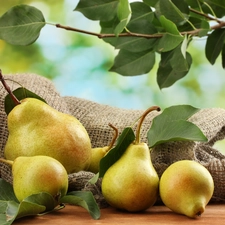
139, 30
195, 32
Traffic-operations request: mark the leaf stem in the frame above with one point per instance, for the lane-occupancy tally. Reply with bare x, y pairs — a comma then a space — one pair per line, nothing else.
7, 88
138, 131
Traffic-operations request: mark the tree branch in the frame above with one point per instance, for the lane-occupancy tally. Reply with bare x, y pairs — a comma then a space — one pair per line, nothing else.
205, 15
158, 35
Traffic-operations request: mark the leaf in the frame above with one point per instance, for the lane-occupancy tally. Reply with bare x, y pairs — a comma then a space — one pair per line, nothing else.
214, 45
172, 125
205, 28
135, 44
94, 179
84, 199
35, 204
150, 2
142, 19
171, 39
103, 10
20, 93
124, 140
172, 67
6, 191
124, 15
133, 63
21, 25
11, 209
171, 11
169, 26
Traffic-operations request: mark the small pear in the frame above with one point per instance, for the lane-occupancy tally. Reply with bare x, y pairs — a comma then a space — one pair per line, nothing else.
32, 175
131, 183
186, 188
99, 153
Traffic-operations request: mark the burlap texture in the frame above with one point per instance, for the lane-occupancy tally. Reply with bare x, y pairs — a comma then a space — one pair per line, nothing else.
96, 117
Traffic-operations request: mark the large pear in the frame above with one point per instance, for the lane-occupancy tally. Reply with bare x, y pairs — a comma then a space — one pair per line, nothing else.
35, 128
131, 183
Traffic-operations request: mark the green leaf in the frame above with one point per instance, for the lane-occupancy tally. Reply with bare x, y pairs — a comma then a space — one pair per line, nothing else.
20, 93
124, 15
94, 179
169, 26
21, 25
135, 44
142, 19
124, 140
84, 199
103, 10
172, 67
133, 63
172, 125
150, 2
214, 45
204, 29
36, 203
11, 209
171, 39
6, 191
172, 11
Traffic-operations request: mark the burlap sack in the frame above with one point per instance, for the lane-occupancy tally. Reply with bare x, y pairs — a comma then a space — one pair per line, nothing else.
95, 118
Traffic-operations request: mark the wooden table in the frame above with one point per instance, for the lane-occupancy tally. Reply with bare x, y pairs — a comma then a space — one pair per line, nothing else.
71, 215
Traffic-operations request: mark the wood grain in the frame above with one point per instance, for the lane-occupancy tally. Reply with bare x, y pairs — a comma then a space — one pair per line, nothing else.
70, 215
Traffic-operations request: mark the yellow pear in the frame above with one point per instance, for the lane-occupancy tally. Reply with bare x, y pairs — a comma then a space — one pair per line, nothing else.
186, 187
35, 174
131, 183
100, 152
35, 128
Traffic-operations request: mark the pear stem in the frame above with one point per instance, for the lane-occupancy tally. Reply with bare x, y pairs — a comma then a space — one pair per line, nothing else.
114, 137
7, 88
138, 131
9, 162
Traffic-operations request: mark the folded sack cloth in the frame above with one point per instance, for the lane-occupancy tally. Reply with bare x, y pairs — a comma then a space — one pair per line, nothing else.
95, 117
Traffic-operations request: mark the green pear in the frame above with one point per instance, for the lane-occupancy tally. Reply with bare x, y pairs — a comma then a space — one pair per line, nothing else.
186, 187
100, 152
35, 128
131, 183
35, 174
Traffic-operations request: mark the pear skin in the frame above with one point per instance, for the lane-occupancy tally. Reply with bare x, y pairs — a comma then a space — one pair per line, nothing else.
35, 128
32, 175
131, 183
186, 188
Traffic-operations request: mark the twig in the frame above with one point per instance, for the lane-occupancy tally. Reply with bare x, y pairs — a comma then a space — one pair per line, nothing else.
7, 88
148, 36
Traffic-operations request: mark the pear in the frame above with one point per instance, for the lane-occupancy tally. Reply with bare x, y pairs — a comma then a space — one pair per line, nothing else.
100, 152
131, 183
186, 188
35, 174
35, 128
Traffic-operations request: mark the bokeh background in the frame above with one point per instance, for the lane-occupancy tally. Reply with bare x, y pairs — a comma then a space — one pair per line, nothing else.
78, 65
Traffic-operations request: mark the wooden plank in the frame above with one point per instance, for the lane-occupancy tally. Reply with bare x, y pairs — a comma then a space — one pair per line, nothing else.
71, 215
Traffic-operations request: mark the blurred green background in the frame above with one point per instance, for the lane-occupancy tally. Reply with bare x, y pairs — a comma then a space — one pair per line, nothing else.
78, 65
